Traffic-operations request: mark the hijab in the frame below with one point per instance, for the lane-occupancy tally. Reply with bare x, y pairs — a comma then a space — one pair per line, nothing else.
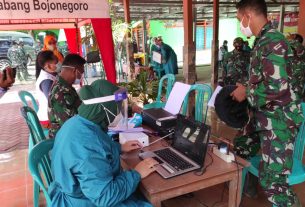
96, 112
56, 52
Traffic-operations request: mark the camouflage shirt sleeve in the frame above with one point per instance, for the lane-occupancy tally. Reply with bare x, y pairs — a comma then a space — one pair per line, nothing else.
268, 82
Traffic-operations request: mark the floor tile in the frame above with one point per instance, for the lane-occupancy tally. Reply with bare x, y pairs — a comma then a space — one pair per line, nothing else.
12, 180
14, 198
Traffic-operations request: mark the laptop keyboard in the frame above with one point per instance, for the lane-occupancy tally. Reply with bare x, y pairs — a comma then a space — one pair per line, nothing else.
173, 159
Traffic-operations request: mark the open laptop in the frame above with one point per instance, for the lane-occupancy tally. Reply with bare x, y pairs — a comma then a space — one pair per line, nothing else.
187, 152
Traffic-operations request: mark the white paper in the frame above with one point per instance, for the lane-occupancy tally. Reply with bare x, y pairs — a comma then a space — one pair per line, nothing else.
157, 57
212, 99
176, 97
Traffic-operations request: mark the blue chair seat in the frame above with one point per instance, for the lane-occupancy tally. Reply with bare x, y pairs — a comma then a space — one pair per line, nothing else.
253, 168
170, 78
298, 172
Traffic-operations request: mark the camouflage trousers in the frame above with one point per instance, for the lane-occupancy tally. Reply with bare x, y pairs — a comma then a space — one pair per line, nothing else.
22, 73
276, 164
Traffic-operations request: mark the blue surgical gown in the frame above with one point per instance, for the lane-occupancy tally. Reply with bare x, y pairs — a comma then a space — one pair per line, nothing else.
86, 169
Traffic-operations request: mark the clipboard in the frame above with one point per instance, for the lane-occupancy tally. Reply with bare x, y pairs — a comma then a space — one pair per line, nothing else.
157, 57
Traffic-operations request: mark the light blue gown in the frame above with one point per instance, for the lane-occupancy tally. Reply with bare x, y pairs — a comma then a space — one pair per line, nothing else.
87, 171
169, 58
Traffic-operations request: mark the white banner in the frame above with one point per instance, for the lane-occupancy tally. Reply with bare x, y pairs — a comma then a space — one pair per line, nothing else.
41, 9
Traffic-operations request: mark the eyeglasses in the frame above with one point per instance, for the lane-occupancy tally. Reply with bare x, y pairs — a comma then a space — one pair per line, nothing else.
52, 43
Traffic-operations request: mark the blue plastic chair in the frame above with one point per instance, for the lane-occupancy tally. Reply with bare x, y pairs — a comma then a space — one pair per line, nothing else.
39, 161
36, 135
203, 95
23, 95
169, 86
298, 169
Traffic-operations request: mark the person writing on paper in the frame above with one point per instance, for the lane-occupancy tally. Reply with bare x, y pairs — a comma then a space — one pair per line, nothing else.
63, 99
86, 162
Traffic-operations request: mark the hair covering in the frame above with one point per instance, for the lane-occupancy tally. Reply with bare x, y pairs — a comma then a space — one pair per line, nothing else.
56, 52
233, 113
96, 112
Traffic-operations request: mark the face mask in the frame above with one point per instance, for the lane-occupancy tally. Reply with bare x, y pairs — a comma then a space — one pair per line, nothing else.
246, 30
79, 80
50, 47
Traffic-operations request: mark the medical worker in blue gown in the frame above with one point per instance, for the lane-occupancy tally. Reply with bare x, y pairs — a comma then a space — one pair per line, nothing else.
86, 162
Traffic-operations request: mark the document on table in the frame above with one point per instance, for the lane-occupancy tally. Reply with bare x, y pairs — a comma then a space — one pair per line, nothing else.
157, 57
176, 97
212, 99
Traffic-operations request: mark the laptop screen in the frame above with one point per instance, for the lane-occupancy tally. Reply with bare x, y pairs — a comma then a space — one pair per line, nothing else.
191, 139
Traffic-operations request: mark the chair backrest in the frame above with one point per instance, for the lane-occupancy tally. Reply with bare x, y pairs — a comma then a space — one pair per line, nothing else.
39, 161
203, 95
300, 139
33, 123
23, 95
169, 85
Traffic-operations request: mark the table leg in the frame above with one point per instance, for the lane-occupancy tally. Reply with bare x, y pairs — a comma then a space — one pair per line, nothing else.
235, 190
156, 202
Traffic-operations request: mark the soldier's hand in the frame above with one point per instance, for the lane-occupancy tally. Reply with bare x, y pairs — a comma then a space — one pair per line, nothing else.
9, 80
239, 94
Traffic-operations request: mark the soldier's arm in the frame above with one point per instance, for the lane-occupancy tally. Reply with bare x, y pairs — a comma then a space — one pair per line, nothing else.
269, 79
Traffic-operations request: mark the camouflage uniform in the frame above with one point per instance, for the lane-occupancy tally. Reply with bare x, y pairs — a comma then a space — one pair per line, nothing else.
298, 67
62, 104
277, 113
16, 57
25, 62
235, 66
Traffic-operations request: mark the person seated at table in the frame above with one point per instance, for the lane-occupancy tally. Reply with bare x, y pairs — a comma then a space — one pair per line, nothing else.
6, 80
44, 83
63, 99
86, 162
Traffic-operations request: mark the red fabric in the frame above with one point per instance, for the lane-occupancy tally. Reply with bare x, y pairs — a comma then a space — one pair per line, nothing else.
103, 32
73, 46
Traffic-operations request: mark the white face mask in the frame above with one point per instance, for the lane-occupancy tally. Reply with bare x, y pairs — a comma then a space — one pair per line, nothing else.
50, 47
245, 30
58, 67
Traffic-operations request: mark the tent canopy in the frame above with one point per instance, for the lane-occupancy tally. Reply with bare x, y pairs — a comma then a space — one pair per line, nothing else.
36, 14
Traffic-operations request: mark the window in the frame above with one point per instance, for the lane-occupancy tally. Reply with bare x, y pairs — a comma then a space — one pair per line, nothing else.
27, 41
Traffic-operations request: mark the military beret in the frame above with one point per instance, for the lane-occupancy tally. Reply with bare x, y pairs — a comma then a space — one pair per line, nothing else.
233, 113
238, 41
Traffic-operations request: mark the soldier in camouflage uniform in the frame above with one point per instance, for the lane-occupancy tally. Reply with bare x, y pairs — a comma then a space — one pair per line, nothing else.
16, 57
25, 59
298, 64
275, 107
236, 63
63, 100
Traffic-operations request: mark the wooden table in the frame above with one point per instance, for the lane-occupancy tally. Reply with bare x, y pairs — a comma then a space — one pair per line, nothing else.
157, 189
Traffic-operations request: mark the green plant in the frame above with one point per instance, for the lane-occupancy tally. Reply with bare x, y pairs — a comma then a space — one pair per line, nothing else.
142, 89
